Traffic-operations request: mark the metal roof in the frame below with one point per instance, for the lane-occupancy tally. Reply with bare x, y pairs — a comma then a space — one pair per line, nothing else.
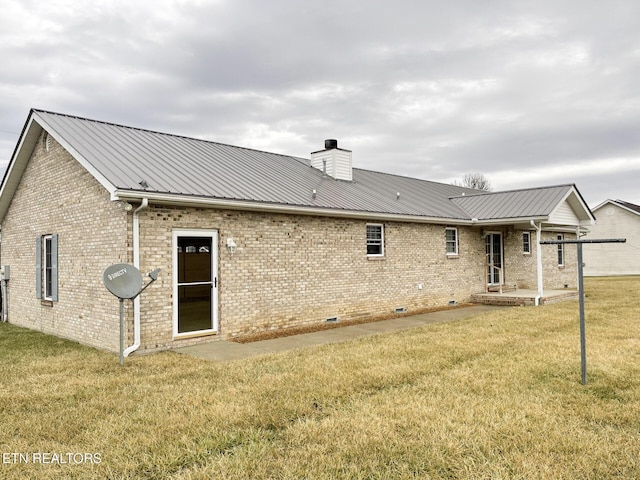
532, 202
178, 169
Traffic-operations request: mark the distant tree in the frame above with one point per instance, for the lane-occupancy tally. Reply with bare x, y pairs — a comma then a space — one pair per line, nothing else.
474, 180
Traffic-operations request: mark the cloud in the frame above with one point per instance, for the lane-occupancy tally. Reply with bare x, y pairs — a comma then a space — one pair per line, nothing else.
422, 88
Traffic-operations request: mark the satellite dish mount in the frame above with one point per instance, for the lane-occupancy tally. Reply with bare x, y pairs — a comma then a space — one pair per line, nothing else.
125, 282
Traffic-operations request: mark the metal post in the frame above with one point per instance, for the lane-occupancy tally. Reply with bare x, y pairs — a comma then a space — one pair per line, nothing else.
578, 242
583, 341
122, 331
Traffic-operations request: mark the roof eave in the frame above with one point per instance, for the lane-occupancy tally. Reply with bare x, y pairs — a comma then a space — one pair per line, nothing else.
232, 204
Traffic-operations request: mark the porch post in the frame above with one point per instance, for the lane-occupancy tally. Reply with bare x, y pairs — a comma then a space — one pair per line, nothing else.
538, 261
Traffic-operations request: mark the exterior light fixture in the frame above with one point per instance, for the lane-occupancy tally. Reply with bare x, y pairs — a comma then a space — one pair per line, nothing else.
231, 246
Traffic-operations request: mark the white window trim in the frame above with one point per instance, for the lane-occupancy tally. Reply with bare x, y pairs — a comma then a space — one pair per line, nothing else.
446, 242
526, 252
46, 240
560, 236
381, 254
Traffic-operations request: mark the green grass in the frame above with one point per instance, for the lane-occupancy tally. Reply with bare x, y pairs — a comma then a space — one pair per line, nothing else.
496, 396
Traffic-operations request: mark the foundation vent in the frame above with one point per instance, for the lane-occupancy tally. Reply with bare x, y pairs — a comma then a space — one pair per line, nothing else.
400, 310
331, 320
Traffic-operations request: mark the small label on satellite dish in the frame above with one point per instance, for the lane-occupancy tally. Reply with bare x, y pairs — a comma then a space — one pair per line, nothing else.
124, 281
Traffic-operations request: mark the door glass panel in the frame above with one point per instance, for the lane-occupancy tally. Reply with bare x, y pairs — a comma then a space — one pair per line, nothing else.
194, 259
194, 308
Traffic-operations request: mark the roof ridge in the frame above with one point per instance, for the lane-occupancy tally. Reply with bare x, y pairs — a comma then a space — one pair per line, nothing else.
516, 190
411, 178
156, 132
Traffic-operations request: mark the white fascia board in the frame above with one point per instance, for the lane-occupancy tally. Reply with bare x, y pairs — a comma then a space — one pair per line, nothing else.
603, 204
179, 200
75, 154
510, 221
18, 164
188, 201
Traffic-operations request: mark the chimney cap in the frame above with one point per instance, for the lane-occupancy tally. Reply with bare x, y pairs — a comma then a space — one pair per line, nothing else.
330, 144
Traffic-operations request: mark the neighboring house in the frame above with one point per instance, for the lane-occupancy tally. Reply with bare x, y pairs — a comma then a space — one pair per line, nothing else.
250, 241
615, 219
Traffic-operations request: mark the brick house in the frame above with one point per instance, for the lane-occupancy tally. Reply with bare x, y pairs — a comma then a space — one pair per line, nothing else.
250, 241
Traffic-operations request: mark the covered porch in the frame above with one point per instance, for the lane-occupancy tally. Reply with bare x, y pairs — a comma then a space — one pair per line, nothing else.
524, 297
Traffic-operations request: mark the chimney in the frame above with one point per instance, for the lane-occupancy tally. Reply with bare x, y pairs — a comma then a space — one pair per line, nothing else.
334, 161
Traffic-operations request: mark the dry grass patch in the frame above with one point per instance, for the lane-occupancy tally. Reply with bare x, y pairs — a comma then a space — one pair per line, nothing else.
496, 396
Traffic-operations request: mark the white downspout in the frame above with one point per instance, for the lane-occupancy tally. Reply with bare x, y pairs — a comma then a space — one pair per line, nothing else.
538, 261
136, 263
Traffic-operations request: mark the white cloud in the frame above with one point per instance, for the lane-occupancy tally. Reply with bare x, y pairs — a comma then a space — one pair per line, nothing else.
545, 90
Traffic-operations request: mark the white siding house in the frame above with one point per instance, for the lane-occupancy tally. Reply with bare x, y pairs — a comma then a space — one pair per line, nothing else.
614, 219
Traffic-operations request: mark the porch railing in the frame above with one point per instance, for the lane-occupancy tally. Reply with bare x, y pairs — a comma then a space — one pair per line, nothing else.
490, 267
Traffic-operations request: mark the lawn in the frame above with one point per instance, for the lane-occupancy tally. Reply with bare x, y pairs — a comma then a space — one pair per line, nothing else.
495, 396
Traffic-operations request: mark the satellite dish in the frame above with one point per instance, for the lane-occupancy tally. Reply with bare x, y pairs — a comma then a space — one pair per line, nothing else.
123, 280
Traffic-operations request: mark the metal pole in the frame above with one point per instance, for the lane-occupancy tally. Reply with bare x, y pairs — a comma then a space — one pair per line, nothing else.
579, 242
122, 331
583, 341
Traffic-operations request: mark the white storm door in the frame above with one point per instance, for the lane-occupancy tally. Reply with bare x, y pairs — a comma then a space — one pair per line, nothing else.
195, 282
494, 258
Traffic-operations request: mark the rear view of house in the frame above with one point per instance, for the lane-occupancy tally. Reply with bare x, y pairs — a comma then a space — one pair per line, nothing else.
250, 241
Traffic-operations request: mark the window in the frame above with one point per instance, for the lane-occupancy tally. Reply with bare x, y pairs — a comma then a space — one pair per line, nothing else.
526, 243
451, 240
47, 267
560, 250
375, 240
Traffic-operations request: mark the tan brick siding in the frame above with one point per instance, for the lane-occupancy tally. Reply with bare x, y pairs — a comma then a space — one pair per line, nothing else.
521, 270
58, 196
288, 270
291, 270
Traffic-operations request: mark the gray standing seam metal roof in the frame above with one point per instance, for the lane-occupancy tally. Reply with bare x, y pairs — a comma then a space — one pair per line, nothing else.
534, 202
188, 167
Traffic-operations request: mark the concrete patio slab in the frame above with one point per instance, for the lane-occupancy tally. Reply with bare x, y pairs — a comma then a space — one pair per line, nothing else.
222, 350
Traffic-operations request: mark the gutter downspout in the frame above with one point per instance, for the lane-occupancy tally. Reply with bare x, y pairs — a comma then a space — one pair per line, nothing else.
538, 261
136, 263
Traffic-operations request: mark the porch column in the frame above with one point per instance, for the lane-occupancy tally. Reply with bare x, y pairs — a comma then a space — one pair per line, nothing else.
538, 261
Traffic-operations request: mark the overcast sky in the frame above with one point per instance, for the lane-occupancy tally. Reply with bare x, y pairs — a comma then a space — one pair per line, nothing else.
529, 93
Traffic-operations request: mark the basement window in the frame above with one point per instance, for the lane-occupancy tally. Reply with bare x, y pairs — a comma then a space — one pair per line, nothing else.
375, 240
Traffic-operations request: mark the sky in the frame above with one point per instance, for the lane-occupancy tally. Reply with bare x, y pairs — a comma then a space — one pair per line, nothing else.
527, 93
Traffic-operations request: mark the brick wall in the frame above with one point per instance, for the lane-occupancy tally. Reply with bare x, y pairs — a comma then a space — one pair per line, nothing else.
58, 196
288, 270
291, 270
521, 267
